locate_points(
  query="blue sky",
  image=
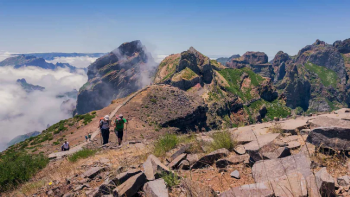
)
(212, 27)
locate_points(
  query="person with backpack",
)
(119, 128)
(65, 146)
(104, 127)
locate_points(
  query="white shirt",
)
(66, 145)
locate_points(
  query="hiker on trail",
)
(104, 126)
(89, 136)
(119, 128)
(65, 146)
(86, 137)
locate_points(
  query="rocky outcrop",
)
(342, 46)
(279, 65)
(336, 138)
(115, 75)
(256, 61)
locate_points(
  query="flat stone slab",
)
(92, 172)
(156, 188)
(131, 186)
(265, 170)
(336, 138)
(239, 149)
(153, 166)
(290, 185)
(324, 121)
(257, 189)
(278, 153)
(293, 145)
(177, 160)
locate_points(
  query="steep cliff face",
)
(227, 92)
(115, 75)
(256, 61)
(315, 79)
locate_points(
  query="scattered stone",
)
(177, 160)
(232, 160)
(325, 182)
(276, 119)
(131, 186)
(336, 138)
(278, 153)
(235, 174)
(256, 189)
(239, 149)
(156, 188)
(152, 167)
(209, 159)
(293, 145)
(253, 148)
(344, 180)
(92, 172)
(192, 158)
(108, 186)
(184, 165)
(182, 150)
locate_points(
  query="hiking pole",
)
(101, 136)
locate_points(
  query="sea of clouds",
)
(22, 112)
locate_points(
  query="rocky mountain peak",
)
(319, 42)
(342, 46)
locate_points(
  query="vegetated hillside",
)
(29, 60)
(234, 96)
(21, 138)
(115, 75)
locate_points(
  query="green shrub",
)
(222, 139)
(164, 144)
(171, 179)
(16, 168)
(85, 153)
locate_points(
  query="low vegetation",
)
(85, 153)
(170, 179)
(164, 144)
(327, 76)
(222, 139)
(18, 167)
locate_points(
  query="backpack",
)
(101, 123)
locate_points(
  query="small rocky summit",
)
(115, 75)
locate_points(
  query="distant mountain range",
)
(224, 60)
(21, 138)
(29, 87)
(52, 56)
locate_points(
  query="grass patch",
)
(233, 77)
(328, 77)
(87, 118)
(275, 108)
(222, 139)
(85, 153)
(17, 168)
(276, 128)
(164, 144)
(170, 179)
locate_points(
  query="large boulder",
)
(336, 138)
(110, 184)
(325, 183)
(131, 186)
(290, 185)
(156, 188)
(153, 167)
(342, 46)
(210, 159)
(92, 172)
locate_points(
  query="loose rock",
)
(325, 182)
(156, 188)
(235, 174)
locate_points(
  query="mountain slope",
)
(21, 138)
(115, 75)
(227, 92)
(29, 87)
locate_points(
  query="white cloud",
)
(79, 61)
(4, 55)
(20, 112)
